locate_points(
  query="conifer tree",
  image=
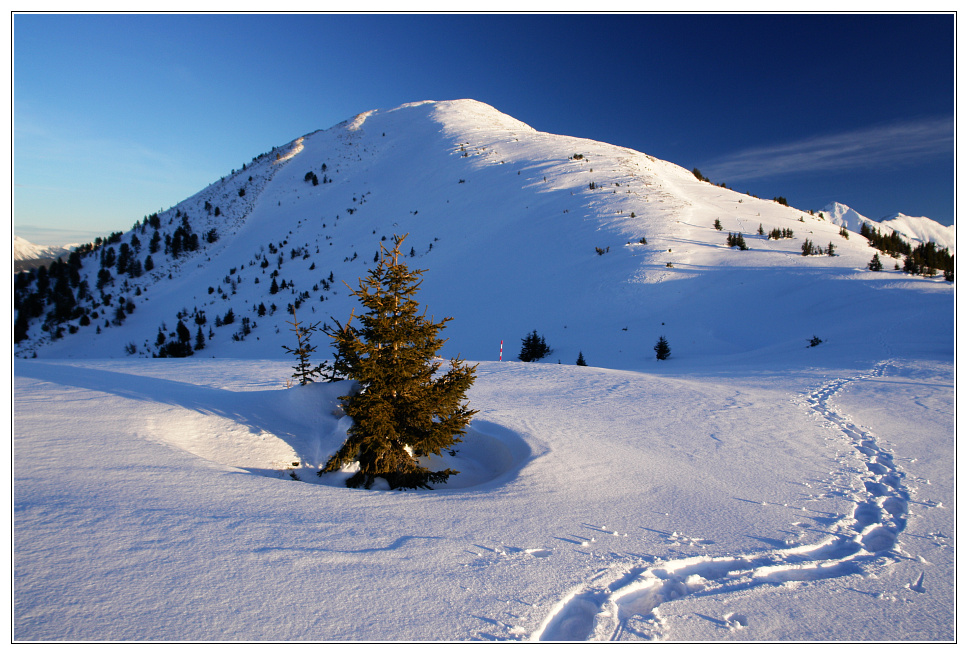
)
(180, 348)
(875, 263)
(304, 371)
(737, 241)
(184, 336)
(533, 348)
(21, 326)
(404, 409)
(661, 348)
(581, 360)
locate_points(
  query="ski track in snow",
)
(621, 602)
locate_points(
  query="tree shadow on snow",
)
(302, 417)
(262, 412)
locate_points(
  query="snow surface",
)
(749, 488)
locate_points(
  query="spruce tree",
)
(404, 409)
(533, 348)
(661, 348)
(21, 326)
(304, 370)
(581, 360)
(875, 263)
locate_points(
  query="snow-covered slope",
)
(599, 248)
(920, 229)
(840, 214)
(748, 488)
(915, 229)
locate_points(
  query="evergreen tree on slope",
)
(875, 263)
(533, 348)
(404, 409)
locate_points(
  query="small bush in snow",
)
(304, 371)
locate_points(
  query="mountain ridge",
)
(915, 229)
(592, 243)
(24, 249)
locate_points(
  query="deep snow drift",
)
(748, 488)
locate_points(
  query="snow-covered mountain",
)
(597, 247)
(25, 250)
(751, 487)
(915, 229)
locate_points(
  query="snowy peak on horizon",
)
(916, 229)
(598, 247)
(24, 250)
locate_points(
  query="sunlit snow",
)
(748, 488)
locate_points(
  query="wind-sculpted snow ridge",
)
(623, 602)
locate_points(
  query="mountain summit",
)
(597, 247)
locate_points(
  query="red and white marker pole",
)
(500, 357)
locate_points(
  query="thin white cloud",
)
(874, 148)
(55, 236)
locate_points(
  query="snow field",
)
(610, 608)
(647, 492)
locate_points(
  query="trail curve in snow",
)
(621, 603)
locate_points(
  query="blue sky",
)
(117, 116)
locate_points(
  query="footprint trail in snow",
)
(621, 603)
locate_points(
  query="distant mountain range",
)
(27, 254)
(915, 229)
